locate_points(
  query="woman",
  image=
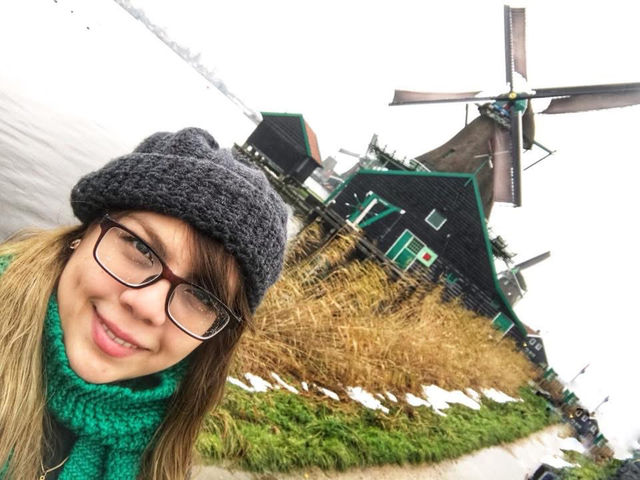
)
(116, 335)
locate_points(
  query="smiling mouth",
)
(117, 339)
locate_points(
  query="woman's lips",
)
(110, 340)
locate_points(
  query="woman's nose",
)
(148, 303)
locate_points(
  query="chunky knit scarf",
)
(113, 423)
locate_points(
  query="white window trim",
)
(426, 219)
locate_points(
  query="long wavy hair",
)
(37, 260)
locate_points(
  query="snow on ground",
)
(416, 401)
(239, 383)
(457, 396)
(473, 394)
(259, 384)
(283, 384)
(420, 402)
(440, 398)
(329, 393)
(365, 398)
(498, 396)
(391, 397)
(434, 397)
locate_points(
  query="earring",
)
(73, 245)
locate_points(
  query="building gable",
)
(441, 211)
(288, 143)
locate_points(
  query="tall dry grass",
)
(341, 323)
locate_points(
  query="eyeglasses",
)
(129, 260)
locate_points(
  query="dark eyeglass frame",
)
(106, 224)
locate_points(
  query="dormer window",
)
(435, 219)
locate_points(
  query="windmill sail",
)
(502, 147)
(402, 97)
(515, 46)
(600, 101)
(511, 135)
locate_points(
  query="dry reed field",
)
(345, 323)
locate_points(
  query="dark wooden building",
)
(288, 143)
(433, 223)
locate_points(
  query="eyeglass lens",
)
(133, 263)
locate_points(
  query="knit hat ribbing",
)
(187, 176)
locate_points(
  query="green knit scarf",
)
(113, 423)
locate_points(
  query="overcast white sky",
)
(337, 63)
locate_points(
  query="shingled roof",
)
(295, 130)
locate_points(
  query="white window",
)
(435, 219)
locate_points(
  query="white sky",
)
(337, 63)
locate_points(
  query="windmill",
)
(513, 111)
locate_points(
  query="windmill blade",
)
(408, 97)
(528, 127)
(582, 90)
(349, 152)
(514, 43)
(596, 101)
(506, 147)
(502, 166)
(516, 153)
(532, 261)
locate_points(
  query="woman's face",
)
(113, 332)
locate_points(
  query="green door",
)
(399, 244)
(404, 259)
(405, 250)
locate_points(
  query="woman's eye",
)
(201, 298)
(140, 247)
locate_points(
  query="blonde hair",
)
(37, 260)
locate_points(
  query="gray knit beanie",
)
(187, 176)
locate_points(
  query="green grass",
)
(588, 469)
(279, 432)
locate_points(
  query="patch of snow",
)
(380, 396)
(391, 397)
(498, 396)
(457, 396)
(239, 383)
(259, 384)
(416, 401)
(436, 396)
(365, 398)
(473, 394)
(556, 461)
(572, 443)
(329, 393)
(305, 386)
(421, 402)
(283, 384)
(440, 398)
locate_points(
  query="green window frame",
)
(407, 249)
(399, 244)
